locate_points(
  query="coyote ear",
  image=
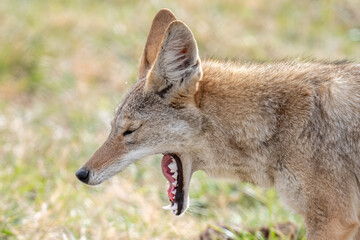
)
(159, 25)
(177, 68)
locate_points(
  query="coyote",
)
(294, 126)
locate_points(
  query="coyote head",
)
(160, 115)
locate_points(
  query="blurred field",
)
(64, 67)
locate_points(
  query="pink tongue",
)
(167, 159)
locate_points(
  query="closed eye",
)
(127, 132)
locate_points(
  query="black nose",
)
(83, 175)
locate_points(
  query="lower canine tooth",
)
(174, 207)
(174, 192)
(174, 183)
(169, 207)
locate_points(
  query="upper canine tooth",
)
(172, 167)
(174, 183)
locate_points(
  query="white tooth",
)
(175, 175)
(173, 160)
(174, 183)
(174, 192)
(173, 167)
(169, 207)
(174, 207)
(174, 211)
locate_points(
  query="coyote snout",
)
(292, 126)
(108, 160)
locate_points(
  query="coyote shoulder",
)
(294, 126)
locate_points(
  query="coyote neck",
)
(244, 107)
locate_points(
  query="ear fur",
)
(177, 68)
(159, 25)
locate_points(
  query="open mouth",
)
(173, 171)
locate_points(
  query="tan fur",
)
(289, 125)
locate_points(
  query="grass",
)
(64, 67)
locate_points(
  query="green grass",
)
(64, 67)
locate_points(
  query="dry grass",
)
(65, 65)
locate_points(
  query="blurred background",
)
(65, 66)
